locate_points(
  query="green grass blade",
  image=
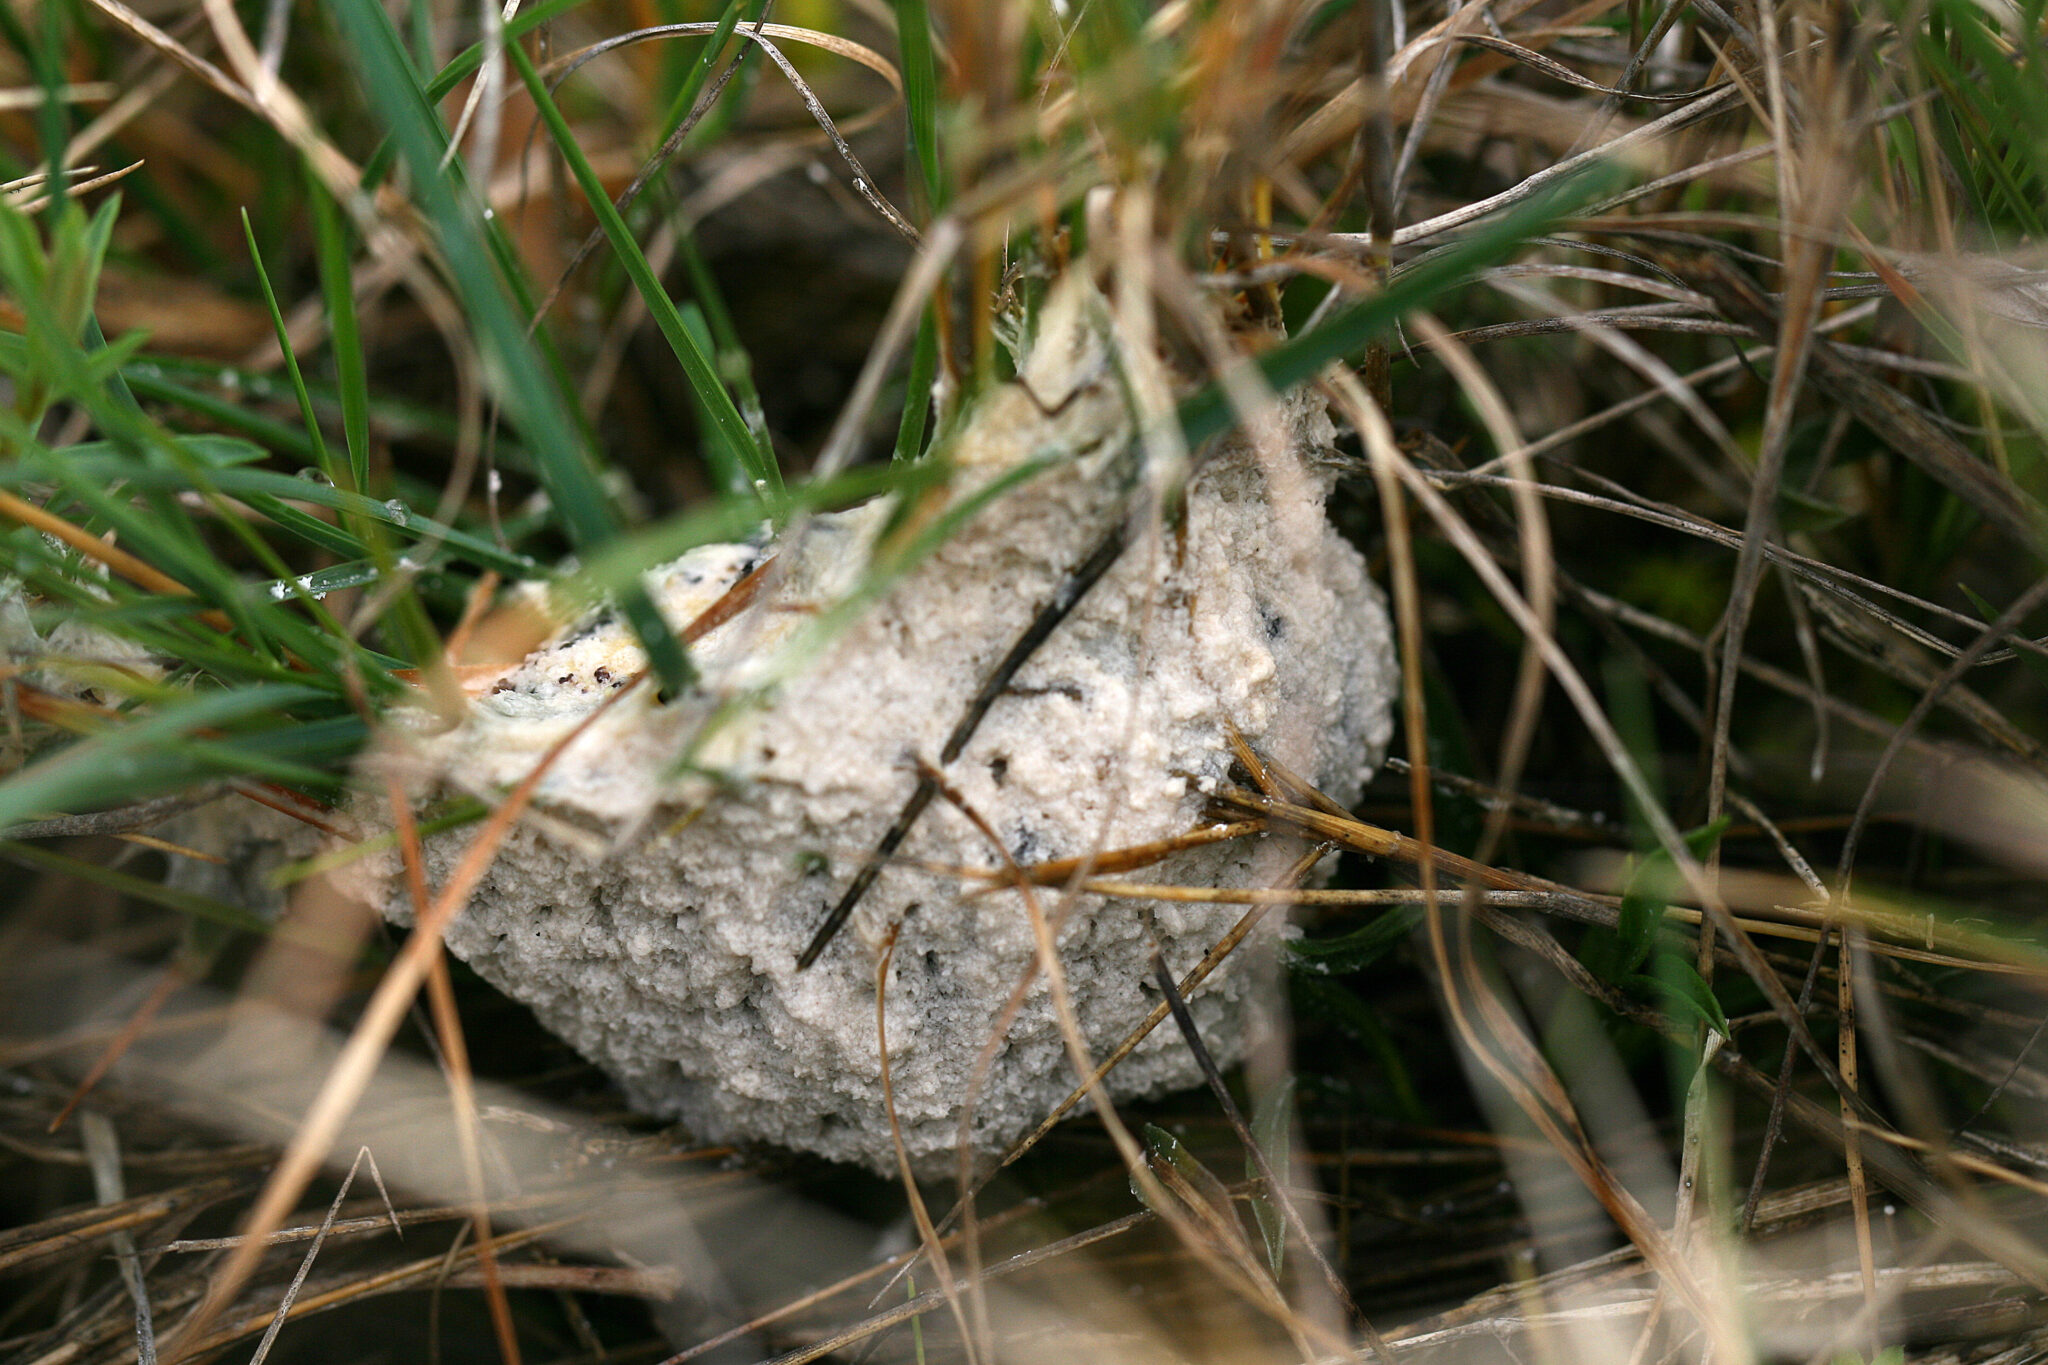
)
(254, 485)
(700, 70)
(291, 359)
(116, 381)
(921, 101)
(148, 891)
(44, 58)
(1299, 359)
(459, 69)
(344, 334)
(728, 466)
(624, 559)
(537, 406)
(709, 392)
(147, 757)
(151, 379)
(470, 60)
(917, 389)
(158, 528)
(735, 366)
(408, 616)
(181, 382)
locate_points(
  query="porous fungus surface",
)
(653, 918)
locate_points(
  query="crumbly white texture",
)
(75, 660)
(670, 960)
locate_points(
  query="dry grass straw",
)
(1907, 1006)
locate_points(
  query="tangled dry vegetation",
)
(1677, 991)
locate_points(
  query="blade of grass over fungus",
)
(706, 388)
(538, 407)
(881, 574)
(625, 558)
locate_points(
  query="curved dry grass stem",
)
(1525, 1076)
(1244, 1280)
(357, 1062)
(2011, 1249)
(177, 52)
(1814, 575)
(559, 70)
(21, 202)
(291, 1293)
(1200, 972)
(1636, 357)
(172, 979)
(942, 242)
(1999, 630)
(1630, 142)
(455, 1054)
(1536, 556)
(1846, 1057)
(1275, 1187)
(417, 1274)
(1534, 545)
(1811, 191)
(758, 34)
(965, 1212)
(486, 96)
(928, 1236)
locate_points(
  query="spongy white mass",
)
(682, 854)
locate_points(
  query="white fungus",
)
(681, 855)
